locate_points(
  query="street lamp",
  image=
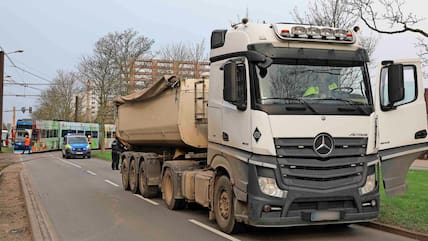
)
(16, 51)
(2, 54)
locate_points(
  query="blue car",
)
(76, 146)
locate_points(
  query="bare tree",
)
(393, 16)
(98, 69)
(334, 13)
(185, 56)
(174, 51)
(124, 47)
(57, 102)
(184, 52)
(108, 69)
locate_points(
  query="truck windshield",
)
(319, 87)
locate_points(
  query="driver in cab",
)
(321, 89)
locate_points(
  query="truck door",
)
(236, 107)
(401, 121)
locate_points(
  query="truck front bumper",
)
(301, 208)
(317, 203)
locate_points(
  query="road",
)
(85, 201)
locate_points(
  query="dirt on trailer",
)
(14, 222)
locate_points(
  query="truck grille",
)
(303, 147)
(300, 166)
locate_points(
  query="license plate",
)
(325, 216)
(79, 153)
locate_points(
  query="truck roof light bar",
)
(313, 33)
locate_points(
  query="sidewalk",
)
(14, 222)
(420, 164)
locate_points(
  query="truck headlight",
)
(370, 184)
(268, 186)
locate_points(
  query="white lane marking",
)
(213, 230)
(147, 200)
(91, 172)
(110, 182)
(70, 163)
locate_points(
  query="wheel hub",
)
(224, 205)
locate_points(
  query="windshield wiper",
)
(305, 103)
(356, 105)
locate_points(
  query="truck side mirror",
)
(395, 83)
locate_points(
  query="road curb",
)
(396, 230)
(41, 227)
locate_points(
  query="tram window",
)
(34, 135)
(94, 134)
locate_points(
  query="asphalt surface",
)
(85, 201)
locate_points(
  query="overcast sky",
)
(55, 34)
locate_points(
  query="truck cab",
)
(76, 145)
(296, 128)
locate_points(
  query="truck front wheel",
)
(125, 174)
(168, 191)
(223, 206)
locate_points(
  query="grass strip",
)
(105, 155)
(408, 211)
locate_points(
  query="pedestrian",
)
(27, 143)
(115, 153)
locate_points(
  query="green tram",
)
(47, 135)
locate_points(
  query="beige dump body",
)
(164, 114)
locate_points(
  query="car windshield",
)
(77, 140)
(321, 82)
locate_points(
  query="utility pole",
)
(1, 88)
(13, 118)
(76, 108)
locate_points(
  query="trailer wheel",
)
(146, 190)
(125, 173)
(168, 192)
(133, 176)
(223, 206)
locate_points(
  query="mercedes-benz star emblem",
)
(323, 144)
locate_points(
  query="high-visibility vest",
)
(314, 90)
(27, 141)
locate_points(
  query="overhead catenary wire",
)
(24, 70)
(25, 85)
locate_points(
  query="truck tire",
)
(125, 173)
(168, 190)
(146, 190)
(133, 176)
(223, 206)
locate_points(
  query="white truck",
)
(288, 133)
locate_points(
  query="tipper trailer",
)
(289, 132)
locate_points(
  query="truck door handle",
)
(421, 134)
(225, 136)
